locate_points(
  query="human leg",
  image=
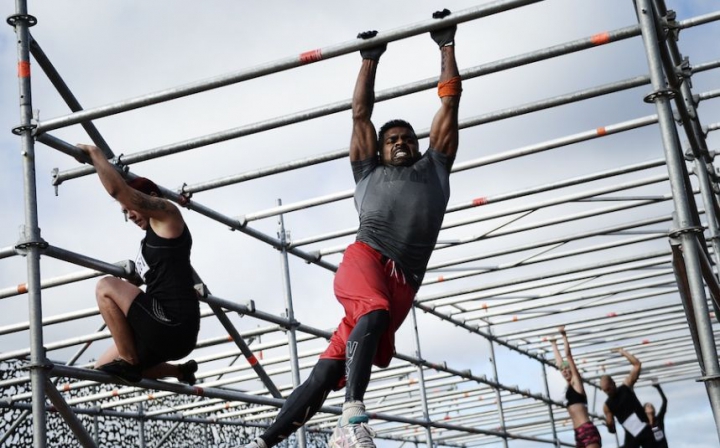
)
(114, 297)
(184, 372)
(304, 402)
(587, 436)
(361, 349)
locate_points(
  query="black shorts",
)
(158, 338)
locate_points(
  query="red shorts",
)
(366, 281)
(587, 434)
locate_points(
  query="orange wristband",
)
(451, 87)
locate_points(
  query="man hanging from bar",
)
(401, 197)
(161, 324)
(623, 404)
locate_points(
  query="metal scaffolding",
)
(622, 256)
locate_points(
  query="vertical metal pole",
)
(501, 413)
(690, 245)
(550, 406)
(292, 339)
(141, 422)
(421, 375)
(32, 243)
(708, 199)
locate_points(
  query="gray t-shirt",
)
(402, 208)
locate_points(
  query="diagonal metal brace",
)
(239, 341)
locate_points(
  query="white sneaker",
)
(258, 443)
(356, 434)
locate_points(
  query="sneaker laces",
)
(364, 435)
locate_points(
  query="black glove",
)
(444, 36)
(375, 52)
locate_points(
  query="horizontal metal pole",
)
(6, 252)
(550, 330)
(553, 241)
(124, 269)
(285, 64)
(233, 223)
(59, 318)
(618, 334)
(228, 394)
(487, 118)
(55, 281)
(644, 258)
(504, 64)
(601, 299)
(527, 209)
(452, 208)
(633, 346)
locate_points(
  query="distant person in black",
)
(657, 421)
(161, 324)
(623, 404)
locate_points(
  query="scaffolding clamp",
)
(24, 244)
(660, 93)
(201, 290)
(185, 196)
(708, 378)
(671, 26)
(674, 233)
(118, 163)
(683, 72)
(27, 18)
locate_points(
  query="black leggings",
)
(305, 401)
(360, 352)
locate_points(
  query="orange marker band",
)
(479, 201)
(600, 38)
(22, 288)
(23, 69)
(601, 131)
(311, 56)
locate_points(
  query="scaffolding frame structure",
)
(671, 295)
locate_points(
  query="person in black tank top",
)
(623, 404)
(657, 421)
(160, 324)
(401, 197)
(586, 433)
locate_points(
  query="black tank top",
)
(574, 397)
(625, 403)
(164, 265)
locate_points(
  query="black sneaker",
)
(123, 370)
(187, 372)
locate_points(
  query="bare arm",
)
(444, 129)
(556, 351)
(164, 217)
(663, 407)
(609, 419)
(576, 378)
(634, 374)
(363, 143)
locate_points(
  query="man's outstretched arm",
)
(363, 143)
(444, 129)
(609, 419)
(634, 374)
